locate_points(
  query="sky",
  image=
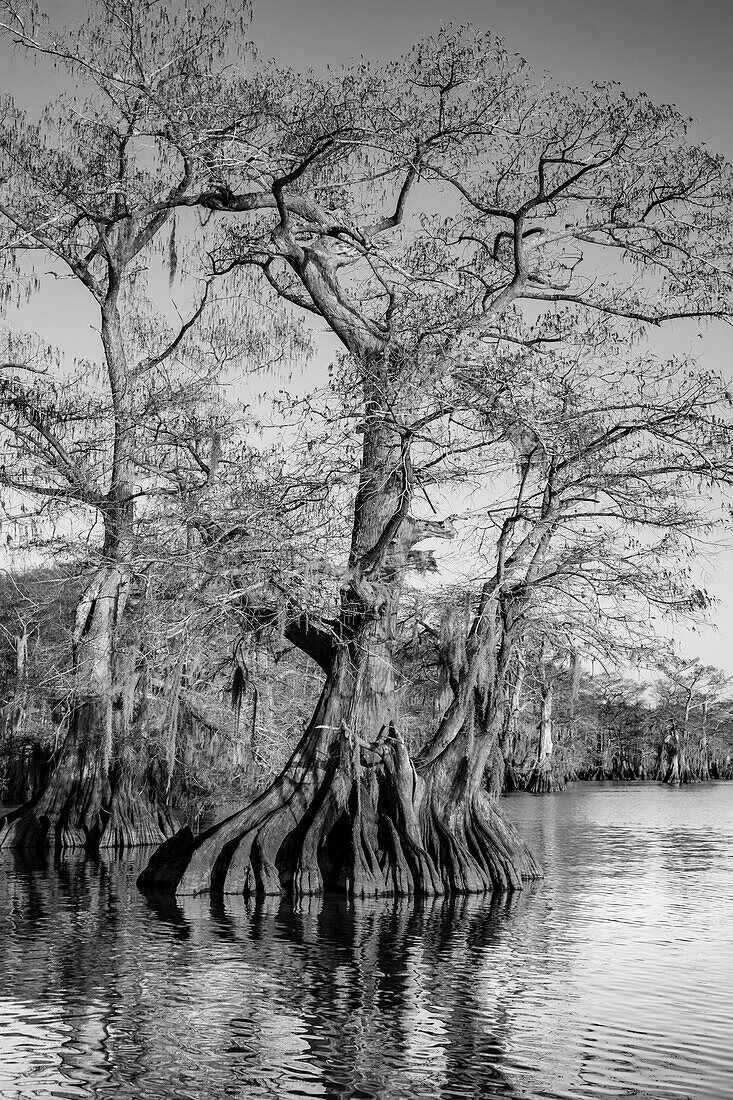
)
(677, 51)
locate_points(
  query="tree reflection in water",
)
(567, 991)
(366, 999)
(101, 990)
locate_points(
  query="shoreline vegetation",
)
(678, 729)
(360, 457)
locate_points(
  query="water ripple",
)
(610, 978)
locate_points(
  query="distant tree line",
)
(220, 722)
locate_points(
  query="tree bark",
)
(672, 764)
(351, 811)
(355, 815)
(703, 768)
(512, 779)
(92, 798)
(543, 778)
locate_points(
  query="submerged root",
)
(79, 814)
(374, 833)
(544, 779)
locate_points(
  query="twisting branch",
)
(155, 360)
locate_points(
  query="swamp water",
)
(611, 978)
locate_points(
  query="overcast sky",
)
(678, 51)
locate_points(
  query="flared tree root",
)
(366, 831)
(544, 778)
(84, 813)
(672, 765)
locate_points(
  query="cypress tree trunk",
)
(703, 769)
(543, 777)
(18, 715)
(92, 798)
(510, 728)
(351, 811)
(673, 765)
(668, 763)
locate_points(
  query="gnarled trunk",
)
(703, 762)
(92, 799)
(512, 779)
(351, 811)
(80, 807)
(543, 778)
(672, 764)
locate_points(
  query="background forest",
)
(225, 726)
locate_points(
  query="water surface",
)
(611, 978)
